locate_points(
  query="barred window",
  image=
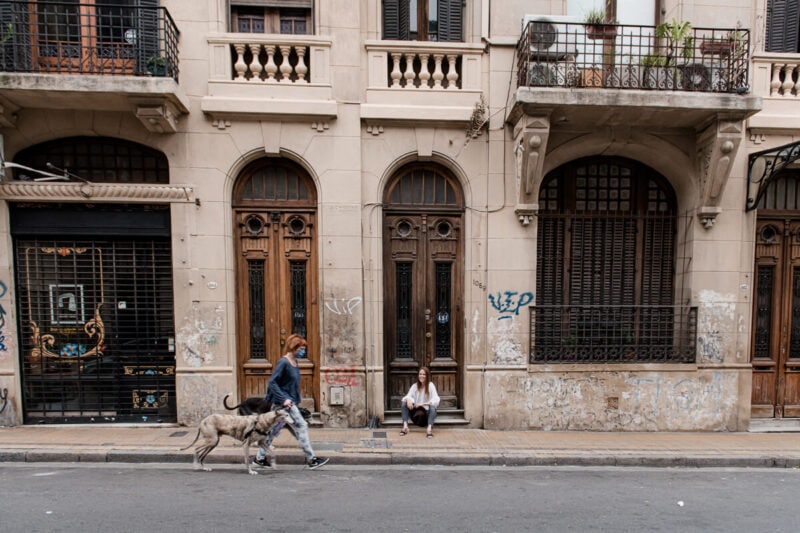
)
(605, 267)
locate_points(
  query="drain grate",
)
(378, 434)
(179, 434)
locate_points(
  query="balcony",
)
(90, 56)
(613, 334)
(255, 76)
(775, 80)
(422, 82)
(629, 75)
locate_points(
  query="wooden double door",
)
(776, 319)
(274, 204)
(423, 317)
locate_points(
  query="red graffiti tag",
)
(343, 375)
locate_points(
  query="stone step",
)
(446, 417)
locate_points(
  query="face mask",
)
(301, 352)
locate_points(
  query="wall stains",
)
(717, 315)
(198, 396)
(342, 327)
(505, 349)
(627, 401)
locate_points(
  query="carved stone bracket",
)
(158, 117)
(717, 146)
(530, 145)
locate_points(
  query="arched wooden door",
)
(274, 203)
(423, 282)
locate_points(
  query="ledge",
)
(133, 193)
(227, 108)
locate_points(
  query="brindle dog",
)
(252, 429)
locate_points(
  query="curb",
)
(411, 459)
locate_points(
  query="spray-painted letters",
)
(509, 302)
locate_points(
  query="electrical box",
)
(336, 396)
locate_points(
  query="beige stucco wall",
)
(351, 160)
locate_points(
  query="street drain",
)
(179, 434)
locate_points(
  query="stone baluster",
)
(775, 82)
(270, 67)
(788, 82)
(795, 85)
(240, 66)
(424, 73)
(438, 75)
(410, 74)
(255, 66)
(396, 74)
(452, 74)
(301, 67)
(286, 67)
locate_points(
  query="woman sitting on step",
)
(420, 403)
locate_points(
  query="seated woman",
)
(421, 396)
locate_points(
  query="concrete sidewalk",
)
(385, 446)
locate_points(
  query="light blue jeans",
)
(299, 430)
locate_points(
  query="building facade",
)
(576, 223)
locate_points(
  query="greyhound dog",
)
(252, 429)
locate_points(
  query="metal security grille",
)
(96, 329)
(258, 344)
(443, 289)
(298, 289)
(403, 302)
(606, 253)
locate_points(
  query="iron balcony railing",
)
(87, 38)
(613, 334)
(669, 57)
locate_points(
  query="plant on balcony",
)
(157, 65)
(678, 39)
(732, 44)
(597, 27)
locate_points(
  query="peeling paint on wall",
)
(505, 350)
(198, 396)
(717, 315)
(628, 401)
(198, 336)
(342, 317)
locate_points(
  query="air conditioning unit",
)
(553, 37)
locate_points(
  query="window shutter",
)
(782, 26)
(395, 19)
(450, 18)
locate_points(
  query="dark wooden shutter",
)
(450, 18)
(395, 19)
(783, 18)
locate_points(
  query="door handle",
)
(428, 335)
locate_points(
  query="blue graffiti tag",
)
(510, 302)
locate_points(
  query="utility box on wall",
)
(336, 396)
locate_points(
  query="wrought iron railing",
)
(71, 38)
(622, 56)
(613, 334)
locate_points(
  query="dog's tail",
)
(225, 403)
(195, 440)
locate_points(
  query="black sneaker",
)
(266, 462)
(317, 462)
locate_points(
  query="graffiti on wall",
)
(341, 375)
(3, 290)
(508, 303)
(341, 328)
(199, 334)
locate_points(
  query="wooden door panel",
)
(276, 296)
(422, 262)
(776, 320)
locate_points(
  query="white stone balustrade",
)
(419, 66)
(776, 75)
(281, 59)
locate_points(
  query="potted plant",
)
(157, 65)
(597, 27)
(732, 44)
(679, 40)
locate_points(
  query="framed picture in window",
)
(66, 304)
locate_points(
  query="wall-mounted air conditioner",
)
(554, 37)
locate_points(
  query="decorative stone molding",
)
(320, 126)
(110, 192)
(8, 114)
(374, 129)
(221, 124)
(530, 145)
(717, 146)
